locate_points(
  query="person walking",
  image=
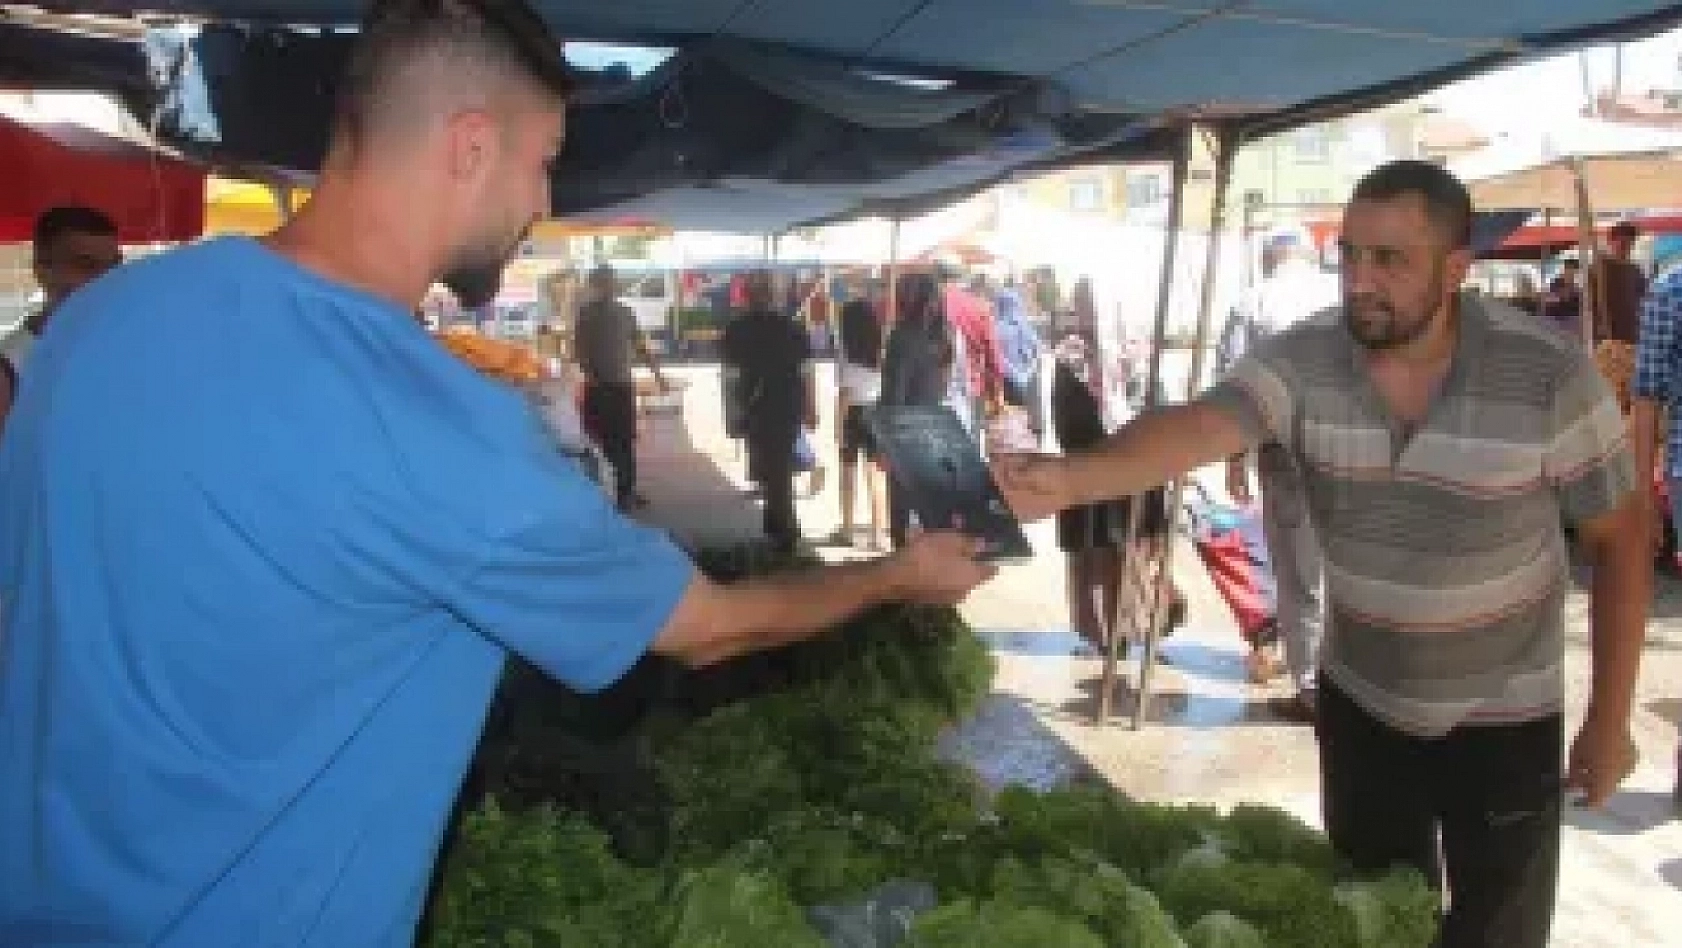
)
(858, 386)
(603, 340)
(1292, 290)
(1655, 416)
(922, 365)
(768, 364)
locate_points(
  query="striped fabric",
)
(1445, 561)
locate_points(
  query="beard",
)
(476, 275)
(1379, 324)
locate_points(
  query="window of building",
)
(1144, 190)
(1086, 194)
(1312, 144)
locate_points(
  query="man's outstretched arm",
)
(1152, 450)
(713, 622)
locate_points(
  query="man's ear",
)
(472, 137)
(1459, 264)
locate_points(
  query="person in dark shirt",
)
(73, 246)
(1562, 306)
(603, 340)
(1618, 286)
(767, 363)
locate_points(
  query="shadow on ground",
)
(1625, 813)
(690, 496)
(1196, 685)
(1006, 744)
(1671, 872)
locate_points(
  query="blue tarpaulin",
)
(782, 104)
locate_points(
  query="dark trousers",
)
(1490, 793)
(771, 465)
(610, 412)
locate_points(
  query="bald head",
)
(417, 62)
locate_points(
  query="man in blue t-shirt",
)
(264, 543)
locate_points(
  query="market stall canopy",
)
(1536, 241)
(806, 99)
(245, 207)
(1116, 55)
(152, 197)
(1627, 169)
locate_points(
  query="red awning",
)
(152, 197)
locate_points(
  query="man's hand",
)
(1035, 485)
(1619, 594)
(939, 568)
(1238, 481)
(1602, 757)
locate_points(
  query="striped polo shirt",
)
(1445, 559)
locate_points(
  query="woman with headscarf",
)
(1094, 538)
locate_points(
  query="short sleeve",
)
(561, 578)
(1588, 460)
(1257, 392)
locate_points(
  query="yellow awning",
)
(244, 207)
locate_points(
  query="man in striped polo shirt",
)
(1442, 440)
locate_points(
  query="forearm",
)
(1644, 423)
(1154, 449)
(779, 610)
(1620, 592)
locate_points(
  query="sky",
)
(1553, 87)
(599, 56)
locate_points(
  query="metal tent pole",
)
(281, 192)
(1176, 214)
(1593, 306)
(1223, 154)
(893, 273)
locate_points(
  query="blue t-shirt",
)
(263, 544)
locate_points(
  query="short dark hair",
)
(56, 222)
(861, 334)
(506, 34)
(1447, 202)
(1624, 229)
